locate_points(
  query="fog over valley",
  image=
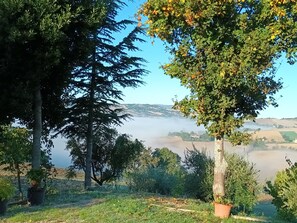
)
(152, 124)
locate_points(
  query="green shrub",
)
(6, 189)
(141, 181)
(241, 184)
(199, 180)
(163, 182)
(37, 176)
(157, 171)
(154, 180)
(284, 193)
(241, 180)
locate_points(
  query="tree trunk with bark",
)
(88, 179)
(37, 128)
(219, 169)
(88, 176)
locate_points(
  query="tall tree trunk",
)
(219, 169)
(17, 167)
(88, 179)
(37, 128)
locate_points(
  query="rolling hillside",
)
(166, 111)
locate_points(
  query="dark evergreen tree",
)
(96, 83)
(40, 43)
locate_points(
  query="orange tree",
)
(224, 51)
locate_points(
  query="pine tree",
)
(94, 105)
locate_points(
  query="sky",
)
(161, 89)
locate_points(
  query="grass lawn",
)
(67, 201)
(73, 204)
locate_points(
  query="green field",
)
(289, 136)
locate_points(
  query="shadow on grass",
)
(62, 194)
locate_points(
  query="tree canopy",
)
(40, 43)
(37, 48)
(225, 52)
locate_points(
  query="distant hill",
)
(166, 111)
(148, 110)
(278, 123)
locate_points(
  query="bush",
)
(140, 181)
(241, 184)
(37, 176)
(157, 172)
(199, 180)
(241, 180)
(284, 193)
(154, 180)
(6, 189)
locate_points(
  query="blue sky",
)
(161, 89)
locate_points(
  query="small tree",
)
(15, 150)
(112, 154)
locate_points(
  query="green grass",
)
(109, 205)
(68, 202)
